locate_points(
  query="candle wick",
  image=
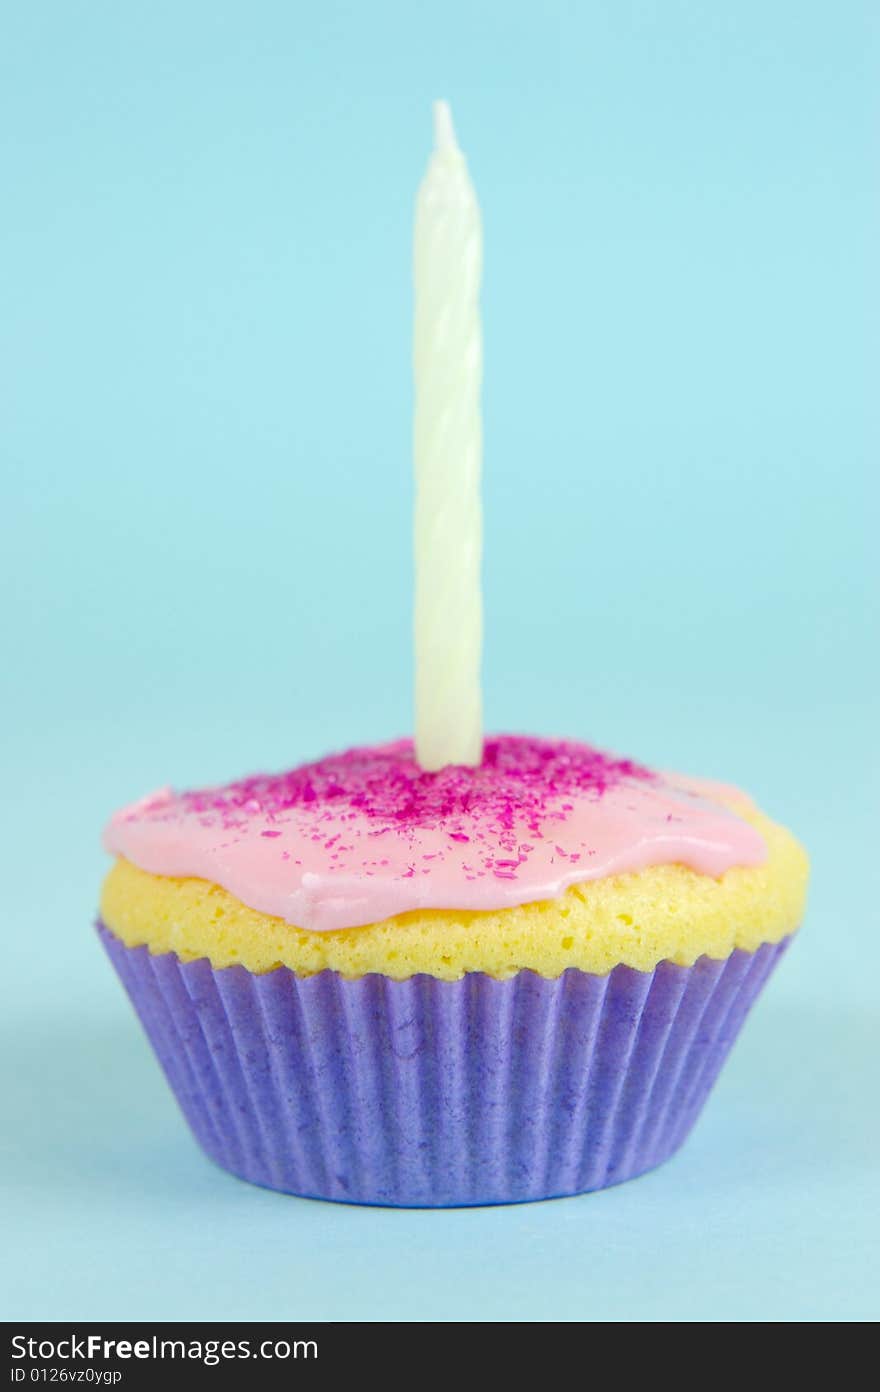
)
(444, 130)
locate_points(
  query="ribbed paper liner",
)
(440, 1093)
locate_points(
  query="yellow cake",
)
(665, 912)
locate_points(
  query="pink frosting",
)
(364, 835)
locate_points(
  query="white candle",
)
(448, 444)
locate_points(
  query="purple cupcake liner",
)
(428, 1093)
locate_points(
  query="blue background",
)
(204, 350)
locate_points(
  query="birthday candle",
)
(448, 447)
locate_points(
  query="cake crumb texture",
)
(665, 912)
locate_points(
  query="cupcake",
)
(375, 984)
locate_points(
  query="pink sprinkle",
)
(520, 778)
(502, 809)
